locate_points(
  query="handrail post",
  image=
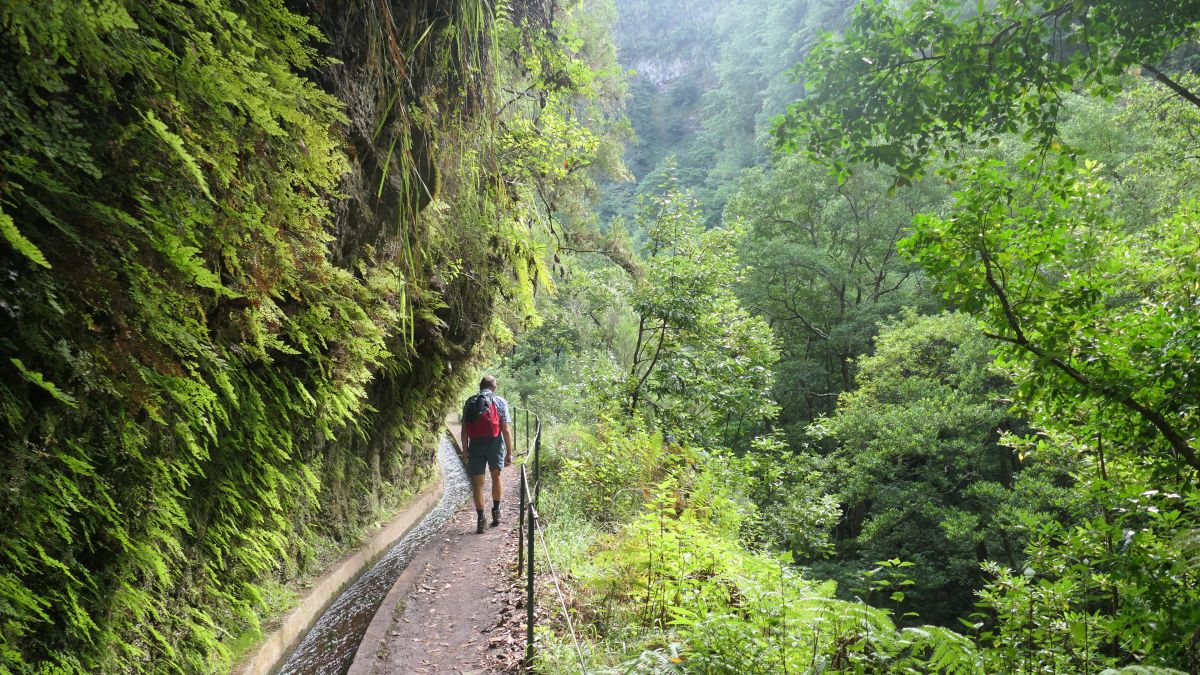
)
(537, 462)
(529, 600)
(527, 431)
(521, 529)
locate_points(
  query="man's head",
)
(488, 382)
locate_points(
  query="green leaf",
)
(176, 144)
(37, 379)
(18, 241)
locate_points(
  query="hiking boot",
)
(480, 524)
(495, 516)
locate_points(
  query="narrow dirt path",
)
(457, 608)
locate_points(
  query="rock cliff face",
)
(668, 39)
(711, 77)
(240, 282)
(673, 48)
(398, 71)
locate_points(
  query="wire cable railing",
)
(529, 529)
(562, 599)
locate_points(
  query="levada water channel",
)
(329, 647)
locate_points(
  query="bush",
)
(669, 585)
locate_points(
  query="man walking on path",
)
(484, 440)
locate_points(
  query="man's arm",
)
(508, 443)
(463, 444)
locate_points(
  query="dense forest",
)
(866, 335)
(885, 357)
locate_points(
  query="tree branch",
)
(1174, 86)
(637, 390)
(1178, 443)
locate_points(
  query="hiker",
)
(485, 438)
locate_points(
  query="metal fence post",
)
(521, 529)
(529, 614)
(537, 462)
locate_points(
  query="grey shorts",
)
(485, 453)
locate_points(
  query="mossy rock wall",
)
(240, 284)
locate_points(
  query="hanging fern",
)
(224, 354)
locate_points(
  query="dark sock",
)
(495, 505)
(479, 512)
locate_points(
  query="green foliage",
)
(1062, 284)
(672, 589)
(152, 318)
(923, 468)
(903, 82)
(18, 241)
(823, 272)
(700, 359)
(564, 126)
(610, 473)
(243, 284)
(796, 507)
(708, 78)
(1096, 591)
(660, 334)
(1082, 273)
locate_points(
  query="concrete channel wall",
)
(274, 649)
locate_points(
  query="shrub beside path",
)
(458, 608)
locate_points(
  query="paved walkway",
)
(458, 607)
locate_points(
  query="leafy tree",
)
(567, 368)
(904, 82)
(796, 505)
(1108, 587)
(699, 358)
(1092, 312)
(562, 123)
(921, 467)
(1092, 316)
(1092, 322)
(693, 359)
(823, 271)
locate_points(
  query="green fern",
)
(13, 236)
(194, 389)
(941, 650)
(175, 143)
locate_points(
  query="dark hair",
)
(488, 382)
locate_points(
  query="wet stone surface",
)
(329, 647)
(464, 613)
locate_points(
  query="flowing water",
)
(329, 647)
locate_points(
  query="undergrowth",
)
(667, 579)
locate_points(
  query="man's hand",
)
(509, 446)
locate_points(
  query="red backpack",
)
(481, 416)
